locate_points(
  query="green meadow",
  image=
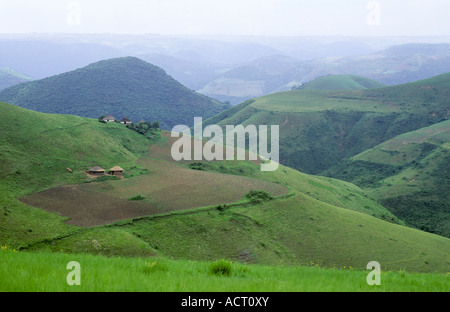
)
(48, 272)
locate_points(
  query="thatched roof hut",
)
(116, 170)
(109, 118)
(97, 170)
(126, 121)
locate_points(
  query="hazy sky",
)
(234, 17)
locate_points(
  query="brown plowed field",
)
(168, 187)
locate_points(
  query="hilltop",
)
(120, 87)
(341, 82)
(186, 212)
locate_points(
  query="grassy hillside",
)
(120, 87)
(342, 82)
(326, 222)
(202, 214)
(9, 77)
(409, 175)
(36, 149)
(321, 128)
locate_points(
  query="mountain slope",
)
(120, 87)
(321, 221)
(341, 82)
(9, 77)
(409, 174)
(319, 129)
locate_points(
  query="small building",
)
(125, 121)
(97, 171)
(109, 118)
(116, 171)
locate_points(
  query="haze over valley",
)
(351, 100)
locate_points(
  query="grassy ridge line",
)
(342, 82)
(327, 190)
(224, 207)
(100, 274)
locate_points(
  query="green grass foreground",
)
(47, 272)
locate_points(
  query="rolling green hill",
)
(320, 128)
(342, 82)
(9, 77)
(409, 174)
(311, 221)
(119, 87)
(35, 151)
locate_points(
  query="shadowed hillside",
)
(123, 87)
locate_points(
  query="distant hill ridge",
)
(342, 82)
(119, 87)
(10, 77)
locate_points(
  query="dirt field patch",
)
(168, 187)
(87, 208)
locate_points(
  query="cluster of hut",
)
(115, 171)
(124, 120)
(98, 171)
